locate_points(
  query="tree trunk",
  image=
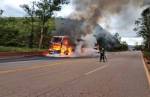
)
(31, 40)
(148, 45)
(31, 34)
(41, 38)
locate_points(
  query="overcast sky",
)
(117, 23)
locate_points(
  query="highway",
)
(123, 75)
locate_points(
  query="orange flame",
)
(64, 47)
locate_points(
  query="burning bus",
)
(71, 37)
(61, 45)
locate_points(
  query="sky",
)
(117, 23)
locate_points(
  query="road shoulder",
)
(146, 68)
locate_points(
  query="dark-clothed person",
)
(102, 55)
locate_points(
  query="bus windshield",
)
(56, 39)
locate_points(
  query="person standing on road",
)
(102, 55)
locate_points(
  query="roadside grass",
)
(147, 59)
(19, 49)
(147, 54)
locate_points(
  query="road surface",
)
(122, 76)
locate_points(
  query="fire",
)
(61, 45)
(65, 50)
(56, 46)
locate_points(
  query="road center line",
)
(34, 67)
(25, 69)
(97, 69)
(29, 68)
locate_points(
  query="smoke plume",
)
(146, 2)
(93, 10)
(90, 13)
(116, 15)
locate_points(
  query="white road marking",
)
(97, 69)
(146, 70)
(31, 68)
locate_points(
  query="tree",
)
(124, 45)
(137, 46)
(45, 10)
(117, 37)
(120, 45)
(143, 26)
(30, 10)
(1, 12)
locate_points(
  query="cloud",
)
(66, 11)
(133, 40)
(123, 22)
(12, 7)
(13, 12)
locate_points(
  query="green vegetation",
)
(1, 12)
(121, 45)
(113, 44)
(31, 13)
(19, 49)
(32, 31)
(15, 31)
(138, 47)
(44, 13)
(143, 27)
(146, 53)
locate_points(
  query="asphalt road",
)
(122, 76)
